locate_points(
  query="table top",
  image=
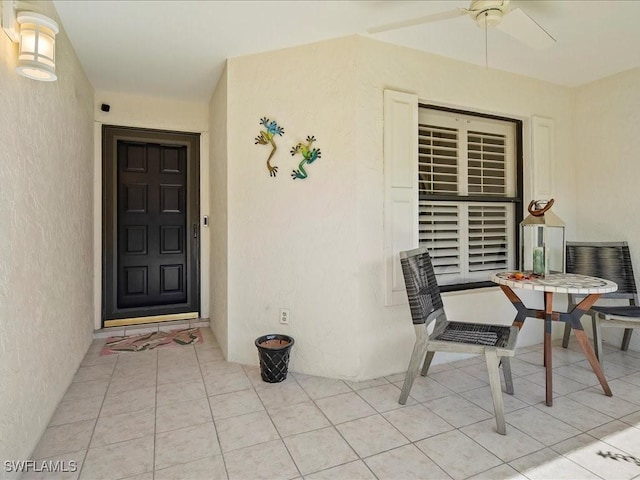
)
(557, 283)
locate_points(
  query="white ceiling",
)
(177, 49)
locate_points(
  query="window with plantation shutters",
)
(468, 184)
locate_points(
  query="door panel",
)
(151, 223)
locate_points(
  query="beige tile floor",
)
(185, 413)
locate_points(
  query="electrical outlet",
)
(285, 316)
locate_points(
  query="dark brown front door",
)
(151, 223)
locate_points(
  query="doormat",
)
(149, 341)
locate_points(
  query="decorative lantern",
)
(542, 240)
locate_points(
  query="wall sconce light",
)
(37, 37)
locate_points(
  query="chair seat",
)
(631, 311)
(475, 334)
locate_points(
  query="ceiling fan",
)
(488, 14)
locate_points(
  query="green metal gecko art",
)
(271, 129)
(309, 155)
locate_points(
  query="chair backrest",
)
(422, 287)
(608, 260)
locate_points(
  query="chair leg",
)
(597, 340)
(427, 364)
(419, 350)
(567, 334)
(626, 338)
(506, 372)
(496, 389)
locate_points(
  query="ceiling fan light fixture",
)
(487, 14)
(489, 18)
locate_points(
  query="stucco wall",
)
(46, 269)
(386, 333)
(293, 243)
(219, 212)
(607, 142)
(316, 245)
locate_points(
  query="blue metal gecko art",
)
(309, 155)
(271, 129)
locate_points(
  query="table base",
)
(573, 318)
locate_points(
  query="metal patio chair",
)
(496, 342)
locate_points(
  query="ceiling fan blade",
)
(435, 17)
(525, 29)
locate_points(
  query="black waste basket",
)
(273, 351)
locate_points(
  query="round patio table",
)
(591, 287)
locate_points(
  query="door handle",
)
(195, 230)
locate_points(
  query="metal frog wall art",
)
(271, 129)
(309, 155)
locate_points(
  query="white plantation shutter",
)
(462, 156)
(490, 229)
(487, 163)
(437, 159)
(467, 241)
(439, 229)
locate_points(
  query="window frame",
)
(516, 200)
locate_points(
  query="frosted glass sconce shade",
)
(37, 54)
